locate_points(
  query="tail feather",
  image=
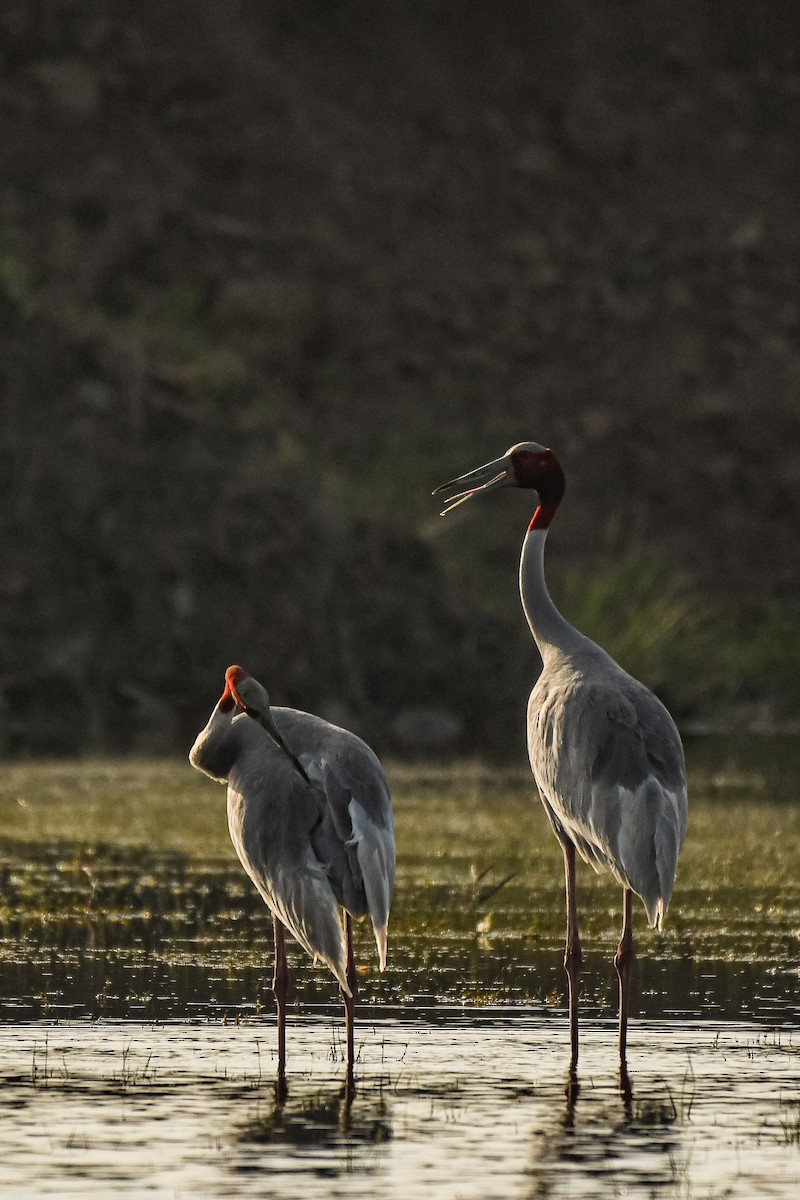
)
(656, 912)
(375, 849)
(381, 940)
(305, 904)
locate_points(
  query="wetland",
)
(137, 1038)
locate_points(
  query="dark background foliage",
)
(271, 271)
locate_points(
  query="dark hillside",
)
(270, 271)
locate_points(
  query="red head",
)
(230, 697)
(242, 690)
(526, 465)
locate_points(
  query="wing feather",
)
(608, 763)
(376, 856)
(305, 903)
(361, 819)
(273, 846)
(315, 848)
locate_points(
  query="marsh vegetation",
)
(121, 897)
(135, 968)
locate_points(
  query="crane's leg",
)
(573, 956)
(623, 961)
(350, 1001)
(280, 986)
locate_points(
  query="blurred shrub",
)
(657, 626)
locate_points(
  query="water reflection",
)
(461, 1083)
(621, 1142)
(457, 1108)
(323, 1117)
(323, 1132)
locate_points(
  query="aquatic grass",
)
(121, 895)
(131, 1073)
(40, 1075)
(683, 1101)
(790, 1123)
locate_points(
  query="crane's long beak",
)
(494, 475)
(266, 720)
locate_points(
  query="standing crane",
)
(310, 818)
(605, 753)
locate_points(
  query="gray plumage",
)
(608, 764)
(314, 846)
(605, 753)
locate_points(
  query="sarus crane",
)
(310, 817)
(605, 753)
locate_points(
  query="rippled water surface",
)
(458, 1109)
(136, 1050)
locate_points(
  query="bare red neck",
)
(541, 471)
(543, 516)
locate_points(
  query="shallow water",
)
(458, 1109)
(136, 1051)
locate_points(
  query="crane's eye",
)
(528, 466)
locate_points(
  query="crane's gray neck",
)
(213, 752)
(551, 632)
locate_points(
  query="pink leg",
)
(623, 961)
(573, 956)
(350, 1001)
(280, 986)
